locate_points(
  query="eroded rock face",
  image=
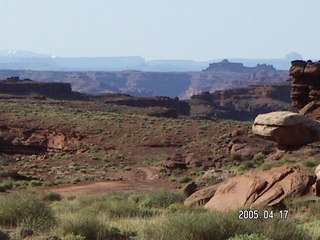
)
(286, 128)
(306, 82)
(267, 188)
(34, 141)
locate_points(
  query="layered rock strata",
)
(305, 83)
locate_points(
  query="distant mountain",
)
(24, 60)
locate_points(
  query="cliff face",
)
(242, 103)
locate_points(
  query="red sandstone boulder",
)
(267, 188)
(286, 128)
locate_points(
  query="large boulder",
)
(286, 128)
(267, 188)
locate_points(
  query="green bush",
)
(4, 235)
(184, 179)
(26, 210)
(50, 196)
(92, 229)
(6, 185)
(218, 226)
(253, 236)
(258, 157)
(161, 198)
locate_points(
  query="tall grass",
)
(27, 210)
(217, 226)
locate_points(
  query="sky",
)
(162, 29)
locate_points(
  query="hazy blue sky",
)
(162, 29)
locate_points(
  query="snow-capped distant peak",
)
(21, 54)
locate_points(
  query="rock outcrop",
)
(24, 140)
(305, 83)
(286, 128)
(267, 188)
(14, 85)
(242, 103)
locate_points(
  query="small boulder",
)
(286, 128)
(189, 188)
(268, 188)
(201, 196)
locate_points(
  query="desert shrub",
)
(33, 183)
(27, 210)
(71, 236)
(122, 209)
(5, 185)
(20, 184)
(50, 196)
(4, 235)
(92, 229)
(161, 198)
(218, 226)
(184, 179)
(258, 157)
(71, 197)
(245, 166)
(253, 236)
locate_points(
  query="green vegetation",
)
(26, 210)
(154, 215)
(218, 226)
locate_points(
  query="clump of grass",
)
(91, 228)
(26, 210)
(161, 198)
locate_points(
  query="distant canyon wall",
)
(217, 76)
